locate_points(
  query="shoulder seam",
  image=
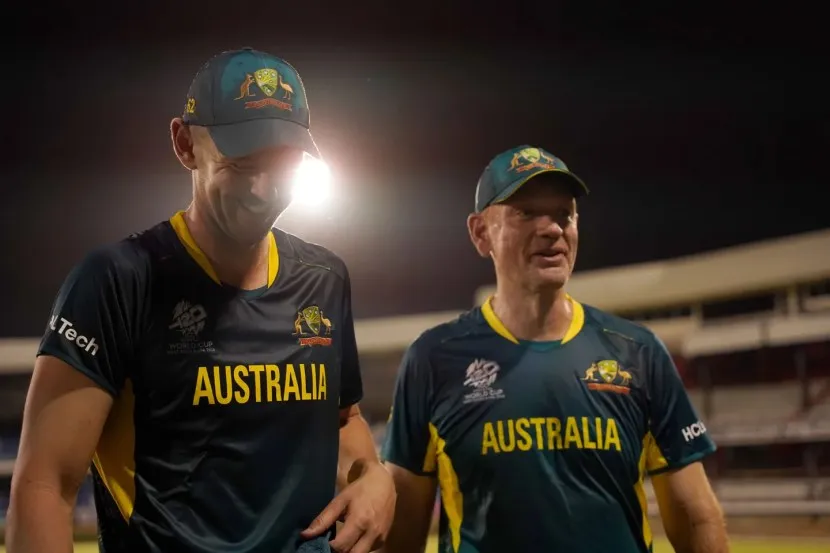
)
(293, 255)
(318, 266)
(624, 336)
(430, 343)
(627, 329)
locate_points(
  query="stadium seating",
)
(753, 405)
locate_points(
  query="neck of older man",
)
(539, 315)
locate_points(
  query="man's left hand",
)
(366, 506)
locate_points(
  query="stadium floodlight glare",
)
(312, 182)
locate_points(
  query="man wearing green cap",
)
(537, 416)
(207, 367)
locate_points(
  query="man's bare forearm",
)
(707, 536)
(710, 537)
(39, 520)
(357, 450)
(413, 511)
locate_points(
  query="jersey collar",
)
(577, 322)
(183, 233)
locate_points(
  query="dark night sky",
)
(696, 127)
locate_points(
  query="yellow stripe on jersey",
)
(577, 321)
(451, 497)
(639, 486)
(180, 226)
(273, 259)
(115, 454)
(655, 459)
(494, 322)
(431, 455)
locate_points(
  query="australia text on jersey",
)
(260, 384)
(550, 433)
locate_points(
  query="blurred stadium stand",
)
(749, 328)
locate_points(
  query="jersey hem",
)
(686, 461)
(92, 375)
(343, 403)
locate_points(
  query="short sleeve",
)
(351, 385)
(408, 442)
(91, 326)
(678, 436)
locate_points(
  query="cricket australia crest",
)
(608, 376)
(313, 320)
(268, 80)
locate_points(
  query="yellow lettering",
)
(586, 435)
(526, 434)
(488, 441)
(321, 394)
(203, 387)
(272, 380)
(257, 370)
(510, 444)
(244, 393)
(540, 439)
(313, 381)
(241, 384)
(291, 386)
(572, 434)
(554, 433)
(225, 398)
(305, 394)
(525, 442)
(612, 436)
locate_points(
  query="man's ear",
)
(477, 227)
(182, 137)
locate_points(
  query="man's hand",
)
(366, 505)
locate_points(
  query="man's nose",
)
(550, 226)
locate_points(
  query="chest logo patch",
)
(481, 376)
(312, 327)
(188, 322)
(608, 376)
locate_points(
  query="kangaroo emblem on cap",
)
(268, 80)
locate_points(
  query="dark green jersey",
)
(224, 432)
(542, 446)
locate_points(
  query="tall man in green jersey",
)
(540, 417)
(206, 368)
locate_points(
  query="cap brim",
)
(577, 186)
(248, 137)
